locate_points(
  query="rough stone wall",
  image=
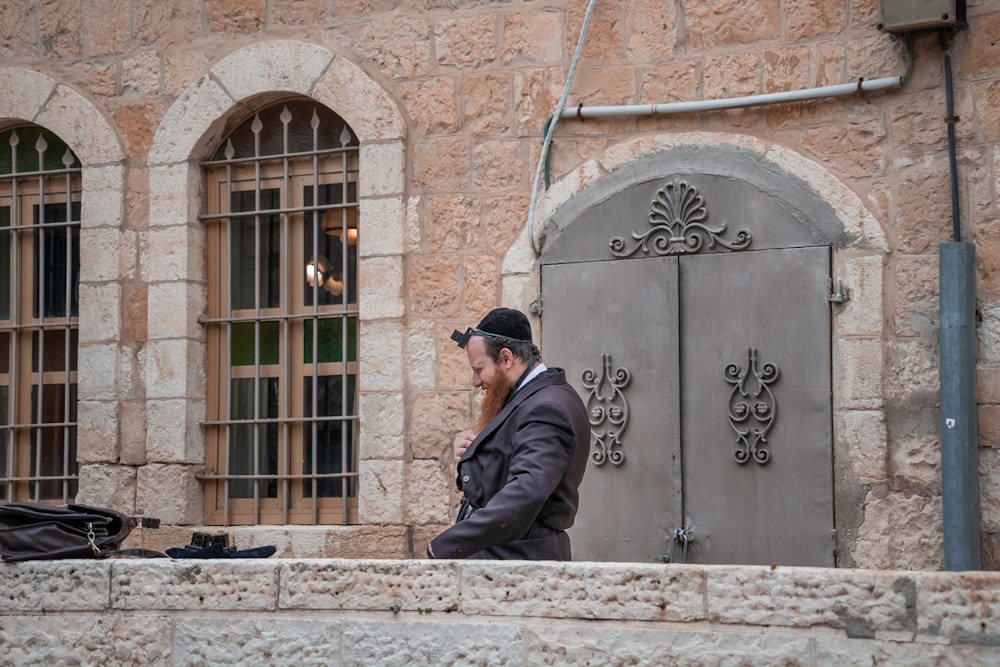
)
(450, 99)
(379, 612)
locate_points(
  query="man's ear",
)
(506, 356)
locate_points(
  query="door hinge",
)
(536, 306)
(838, 292)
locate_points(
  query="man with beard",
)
(520, 474)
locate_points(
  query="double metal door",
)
(707, 378)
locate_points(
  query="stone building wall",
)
(384, 612)
(449, 100)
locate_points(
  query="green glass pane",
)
(330, 342)
(241, 343)
(26, 140)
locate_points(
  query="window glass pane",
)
(329, 131)
(242, 343)
(4, 353)
(53, 448)
(244, 259)
(6, 279)
(57, 259)
(24, 141)
(53, 349)
(336, 234)
(330, 342)
(334, 440)
(247, 456)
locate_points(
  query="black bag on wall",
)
(39, 532)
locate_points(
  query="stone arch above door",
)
(828, 211)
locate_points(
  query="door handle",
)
(683, 535)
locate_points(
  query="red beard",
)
(494, 398)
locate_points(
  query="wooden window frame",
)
(289, 493)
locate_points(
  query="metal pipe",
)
(951, 119)
(581, 112)
(959, 428)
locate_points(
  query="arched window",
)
(282, 323)
(39, 309)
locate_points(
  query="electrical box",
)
(912, 15)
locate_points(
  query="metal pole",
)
(959, 429)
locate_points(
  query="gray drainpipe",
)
(959, 427)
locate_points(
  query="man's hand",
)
(462, 442)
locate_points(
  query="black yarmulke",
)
(508, 323)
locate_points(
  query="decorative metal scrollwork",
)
(608, 410)
(752, 407)
(679, 225)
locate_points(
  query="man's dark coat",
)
(522, 473)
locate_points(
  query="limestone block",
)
(426, 497)
(603, 43)
(370, 585)
(399, 45)
(108, 486)
(141, 74)
(734, 75)
(382, 166)
(17, 29)
(669, 82)
(383, 418)
(132, 427)
(602, 86)
(900, 531)
(186, 123)
(422, 342)
(97, 431)
(171, 200)
(181, 68)
(862, 314)
(102, 304)
(342, 85)
(285, 641)
(99, 256)
(96, 371)
(487, 109)
(103, 202)
(173, 253)
(430, 642)
(235, 17)
(872, 56)
(650, 646)
(173, 433)
(921, 222)
(989, 333)
(911, 367)
(863, 434)
(105, 27)
(381, 361)
(532, 38)
(855, 651)
(536, 92)
(81, 125)
(857, 364)
(730, 22)
(651, 32)
(811, 597)
(174, 368)
(442, 164)
(960, 605)
(173, 309)
(808, 19)
(25, 90)
(433, 286)
(298, 12)
(381, 287)
(86, 639)
(989, 490)
(273, 65)
(380, 492)
(436, 418)
(497, 165)
(451, 222)
(52, 586)
(170, 492)
(59, 30)
(187, 585)
(914, 449)
(503, 219)
(166, 24)
(608, 591)
(480, 278)
(430, 103)
(383, 227)
(468, 42)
